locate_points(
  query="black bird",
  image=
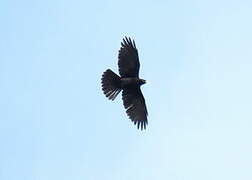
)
(128, 82)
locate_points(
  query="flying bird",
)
(128, 82)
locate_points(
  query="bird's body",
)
(128, 82)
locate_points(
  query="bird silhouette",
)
(128, 82)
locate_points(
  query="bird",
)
(128, 82)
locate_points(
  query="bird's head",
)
(142, 81)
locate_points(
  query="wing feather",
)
(134, 103)
(128, 61)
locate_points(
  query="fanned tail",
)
(111, 84)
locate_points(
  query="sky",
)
(55, 122)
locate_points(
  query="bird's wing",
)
(134, 103)
(128, 61)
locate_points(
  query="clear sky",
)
(55, 122)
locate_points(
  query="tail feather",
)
(111, 84)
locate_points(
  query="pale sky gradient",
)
(55, 122)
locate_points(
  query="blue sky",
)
(55, 123)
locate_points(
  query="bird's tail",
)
(111, 84)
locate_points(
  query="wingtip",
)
(142, 125)
(129, 41)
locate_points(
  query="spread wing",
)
(128, 62)
(135, 106)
